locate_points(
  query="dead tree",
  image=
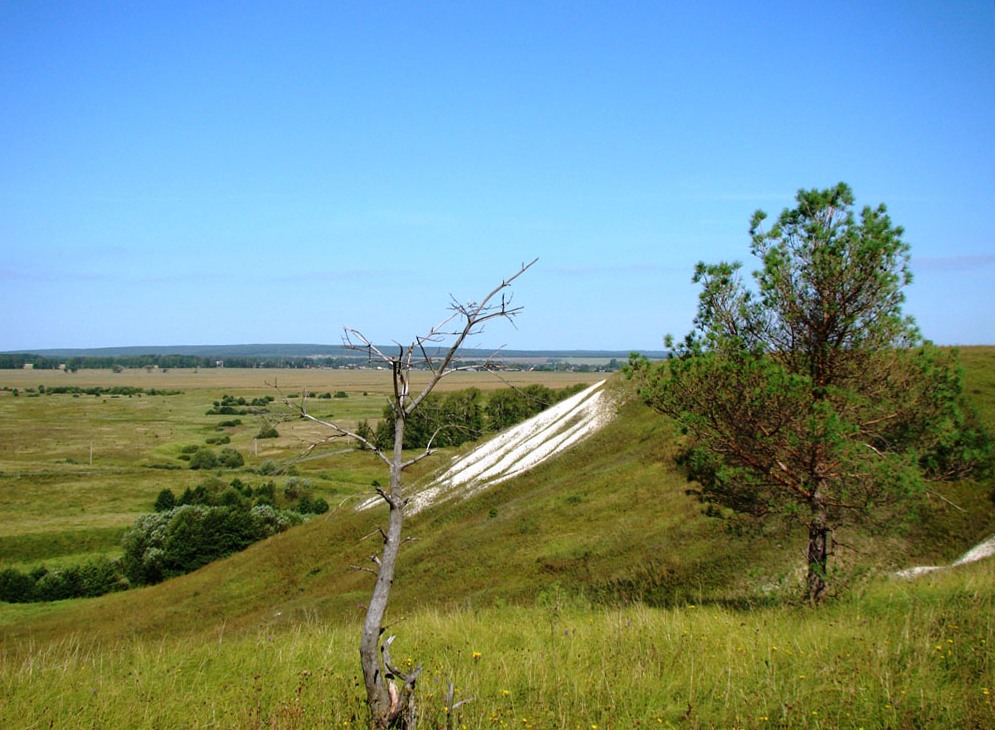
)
(390, 691)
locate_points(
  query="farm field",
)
(77, 469)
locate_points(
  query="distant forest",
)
(291, 356)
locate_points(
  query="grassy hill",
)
(595, 591)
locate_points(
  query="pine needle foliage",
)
(811, 394)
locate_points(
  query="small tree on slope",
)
(390, 692)
(811, 394)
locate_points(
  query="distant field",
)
(263, 379)
(77, 469)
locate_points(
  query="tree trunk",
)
(389, 706)
(818, 552)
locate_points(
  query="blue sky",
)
(238, 172)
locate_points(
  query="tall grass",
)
(900, 654)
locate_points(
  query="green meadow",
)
(591, 592)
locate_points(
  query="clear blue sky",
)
(237, 172)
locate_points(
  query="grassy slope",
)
(267, 638)
(897, 655)
(608, 520)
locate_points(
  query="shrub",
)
(16, 587)
(58, 586)
(308, 506)
(231, 497)
(167, 544)
(268, 468)
(204, 458)
(268, 431)
(95, 577)
(100, 576)
(295, 487)
(272, 521)
(165, 501)
(229, 458)
(266, 493)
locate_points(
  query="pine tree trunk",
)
(818, 552)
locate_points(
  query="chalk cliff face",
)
(516, 450)
(978, 552)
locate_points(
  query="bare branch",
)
(386, 497)
(416, 459)
(378, 531)
(475, 316)
(406, 677)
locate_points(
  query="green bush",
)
(229, 458)
(272, 520)
(309, 506)
(165, 501)
(268, 468)
(448, 419)
(16, 587)
(204, 458)
(93, 578)
(295, 487)
(231, 497)
(166, 544)
(265, 494)
(268, 431)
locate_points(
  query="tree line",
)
(17, 361)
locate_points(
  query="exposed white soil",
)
(516, 450)
(978, 552)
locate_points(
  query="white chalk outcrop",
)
(978, 552)
(517, 449)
